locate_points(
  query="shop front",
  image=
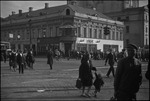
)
(91, 45)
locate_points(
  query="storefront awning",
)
(68, 26)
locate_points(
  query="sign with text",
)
(88, 41)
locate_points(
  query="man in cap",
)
(128, 77)
(111, 58)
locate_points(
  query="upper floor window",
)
(100, 33)
(79, 32)
(67, 12)
(90, 32)
(84, 31)
(113, 35)
(121, 36)
(95, 33)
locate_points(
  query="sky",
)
(8, 6)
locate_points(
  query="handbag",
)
(78, 83)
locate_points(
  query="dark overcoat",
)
(128, 76)
(85, 73)
(50, 57)
(111, 58)
(98, 82)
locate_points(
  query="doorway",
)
(67, 48)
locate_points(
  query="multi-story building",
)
(135, 18)
(66, 27)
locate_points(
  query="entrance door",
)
(67, 48)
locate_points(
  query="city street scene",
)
(75, 50)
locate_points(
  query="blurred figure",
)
(128, 76)
(50, 58)
(30, 58)
(10, 60)
(14, 60)
(123, 54)
(147, 72)
(98, 82)
(111, 58)
(85, 74)
(20, 61)
(57, 54)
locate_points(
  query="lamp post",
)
(18, 42)
(29, 22)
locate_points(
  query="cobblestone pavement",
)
(57, 84)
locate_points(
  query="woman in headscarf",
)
(85, 74)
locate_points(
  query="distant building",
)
(135, 18)
(65, 27)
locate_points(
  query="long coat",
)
(30, 57)
(85, 74)
(128, 76)
(50, 58)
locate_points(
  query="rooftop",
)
(54, 10)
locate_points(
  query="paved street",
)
(41, 83)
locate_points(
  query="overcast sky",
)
(8, 6)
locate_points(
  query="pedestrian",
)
(30, 58)
(128, 77)
(14, 60)
(50, 58)
(98, 82)
(10, 60)
(147, 72)
(111, 58)
(20, 61)
(85, 74)
(24, 57)
(123, 54)
(57, 54)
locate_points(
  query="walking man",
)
(50, 59)
(111, 58)
(128, 77)
(20, 61)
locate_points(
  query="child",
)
(98, 83)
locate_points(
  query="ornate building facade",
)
(66, 27)
(135, 18)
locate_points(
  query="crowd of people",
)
(21, 60)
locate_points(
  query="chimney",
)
(46, 5)
(13, 12)
(30, 9)
(20, 12)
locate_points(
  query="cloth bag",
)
(78, 83)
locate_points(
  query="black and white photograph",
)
(74, 50)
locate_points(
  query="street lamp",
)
(18, 42)
(29, 22)
(18, 37)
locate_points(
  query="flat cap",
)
(132, 46)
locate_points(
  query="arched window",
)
(67, 12)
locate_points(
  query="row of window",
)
(99, 33)
(55, 31)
